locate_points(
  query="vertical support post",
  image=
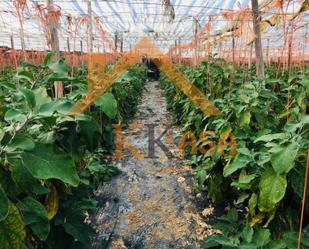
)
(290, 52)
(32, 55)
(116, 41)
(121, 44)
(195, 22)
(13, 50)
(175, 52)
(258, 39)
(81, 52)
(22, 35)
(12, 42)
(69, 49)
(304, 49)
(89, 27)
(251, 52)
(179, 50)
(54, 44)
(233, 46)
(268, 59)
(23, 43)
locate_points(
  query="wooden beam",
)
(258, 39)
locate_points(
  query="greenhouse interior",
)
(155, 124)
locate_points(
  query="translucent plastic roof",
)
(130, 19)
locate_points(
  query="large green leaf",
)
(4, 204)
(239, 162)
(43, 163)
(35, 215)
(29, 96)
(21, 142)
(60, 106)
(48, 58)
(305, 83)
(15, 115)
(283, 158)
(12, 230)
(271, 137)
(108, 104)
(80, 232)
(59, 68)
(272, 189)
(41, 96)
(247, 233)
(262, 237)
(291, 239)
(25, 182)
(223, 240)
(26, 75)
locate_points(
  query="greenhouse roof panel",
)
(129, 18)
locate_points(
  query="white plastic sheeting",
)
(131, 19)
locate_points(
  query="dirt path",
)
(151, 204)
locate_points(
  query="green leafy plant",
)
(269, 121)
(51, 162)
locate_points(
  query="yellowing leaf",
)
(245, 118)
(272, 189)
(12, 230)
(52, 203)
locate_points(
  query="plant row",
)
(50, 162)
(261, 183)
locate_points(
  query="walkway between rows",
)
(151, 204)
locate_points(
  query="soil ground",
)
(152, 204)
